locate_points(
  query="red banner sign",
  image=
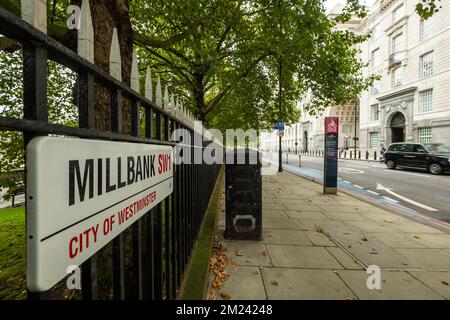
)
(331, 125)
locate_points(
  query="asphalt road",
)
(417, 190)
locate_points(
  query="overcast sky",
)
(332, 3)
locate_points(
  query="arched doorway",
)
(305, 141)
(398, 122)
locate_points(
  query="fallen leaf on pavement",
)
(225, 296)
(239, 253)
(417, 237)
(274, 283)
(364, 238)
(264, 253)
(388, 221)
(445, 283)
(349, 298)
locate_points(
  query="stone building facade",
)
(412, 56)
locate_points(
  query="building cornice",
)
(397, 93)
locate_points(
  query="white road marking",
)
(373, 192)
(415, 203)
(355, 185)
(390, 199)
(347, 181)
(409, 173)
(350, 170)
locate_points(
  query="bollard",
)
(367, 155)
(299, 160)
(351, 154)
(345, 154)
(359, 154)
(287, 158)
(374, 155)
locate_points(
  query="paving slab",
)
(282, 223)
(291, 237)
(395, 285)
(341, 208)
(274, 213)
(271, 206)
(438, 281)
(312, 224)
(253, 253)
(432, 240)
(304, 284)
(369, 251)
(305, 214)
(319, 239)
(429, 259)
(345, 259)
(414, 227)
(300, 205)
(370, 226)
(244, 283)
(288, 256)
(346, 216)
(396, 239)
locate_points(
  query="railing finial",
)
(134, 78)
(115, 61)
(158, 98)
(166, 98)
(35, 13)
(148, 85)
(86, 33)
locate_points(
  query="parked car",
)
(431, 156)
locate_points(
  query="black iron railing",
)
(149, 259)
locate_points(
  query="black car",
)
(431, 156)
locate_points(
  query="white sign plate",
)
(81, 194)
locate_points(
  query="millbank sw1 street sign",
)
(81, 194)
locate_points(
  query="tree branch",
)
(218, 98)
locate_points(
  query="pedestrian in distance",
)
(382, 152)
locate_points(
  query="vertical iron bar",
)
(137, 226)
(179, 217)
(118, 242)
(149, 221)
(167, 225)
(158, 232)
(174, 226)
(86, 114)
(35, 103)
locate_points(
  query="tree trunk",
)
(107, 14)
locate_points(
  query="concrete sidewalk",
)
(319, 246)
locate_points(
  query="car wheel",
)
(435, 168)
(391, 164)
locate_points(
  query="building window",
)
(426, 64)
(374, 140)
(426, 101)
(375, 89)
(426, 29)
(397, 47)
(425, 135)
(375, 113)
(375, 59)
(397, 77)
(397, 14)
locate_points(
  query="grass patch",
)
(13, 251)
(196, 277)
